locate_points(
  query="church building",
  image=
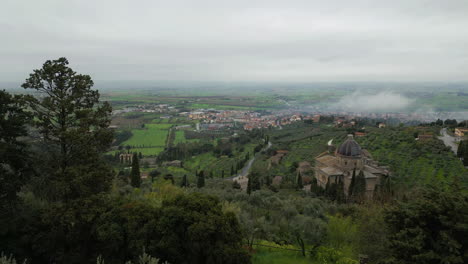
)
(338, 165)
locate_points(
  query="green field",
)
(268, 256)
(153, 135)
(179, 137)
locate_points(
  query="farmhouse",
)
(126, 158)
(360, 134)
(461, 132)
(339, 166)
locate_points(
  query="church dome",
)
(349, 148)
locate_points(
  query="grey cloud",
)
(363, 40)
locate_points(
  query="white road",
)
(449, 140)
(242, 178)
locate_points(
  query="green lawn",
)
(179, 137)
(153, 135)
(265, 255)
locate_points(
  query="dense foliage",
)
(67, 212)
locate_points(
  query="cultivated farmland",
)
(149, 140)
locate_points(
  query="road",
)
(448, 140)
(242, 177)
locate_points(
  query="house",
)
(126, 158)
(461, 132)
(360, 134)
(316, 118)
(382, 125)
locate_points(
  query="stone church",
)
(339, 165)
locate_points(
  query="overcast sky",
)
(237, 40)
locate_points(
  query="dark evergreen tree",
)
(135, 178)
(351, 184)
(14, 157)
(222, 174)
(359, 188)
(462, 151)
(299, 182)
(169, 177)
(184, 182)
(340, 195)
(314, 188)
(201, 180)
(75, 130)
(153, 174)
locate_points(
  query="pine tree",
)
(135, 179)
(75, 126)
(153, 174)
(201, 180)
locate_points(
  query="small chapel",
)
(338, 164)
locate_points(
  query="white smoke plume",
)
(383, 101)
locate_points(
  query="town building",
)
(340, 164)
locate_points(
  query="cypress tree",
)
(201, 180)
(314, 186)
(249, 186)
(300, 185)
(359, 188)
(340, 195)
(184, 181)
(135, 179)
(327, 188)
(351, 185)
